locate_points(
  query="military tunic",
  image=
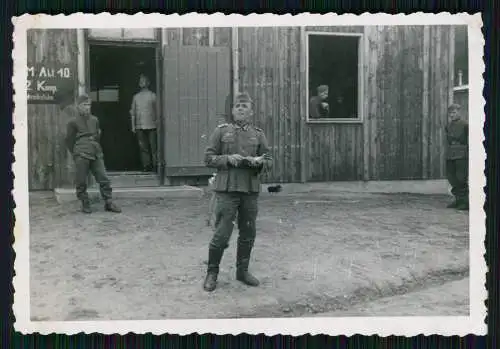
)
(82, 140)
(233, 139)
(83, 135)
(238, 187)
(316, 109)
(457, 159)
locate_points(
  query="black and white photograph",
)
(259, 174)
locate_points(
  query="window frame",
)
(210, 36)
(461, 88)
(123, 39)
(360, 96)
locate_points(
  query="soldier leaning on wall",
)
(82, 140)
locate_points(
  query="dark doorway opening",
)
(114, 79)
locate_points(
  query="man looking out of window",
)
(318, 106)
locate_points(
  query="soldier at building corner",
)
(144, 123)
(457, 157)
(82, 140)
(239, 152)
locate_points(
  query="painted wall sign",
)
(47, 84)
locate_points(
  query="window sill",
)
(121, 41)
(461, 88)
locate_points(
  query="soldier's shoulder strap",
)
(258, 129)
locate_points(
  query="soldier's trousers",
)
(457, 172)
(228, 205)
(148, 147)
(98, 170)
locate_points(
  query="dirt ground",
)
(315, 254)
(443, 300)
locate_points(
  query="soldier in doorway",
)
(457, 157)
(318, 105)
(82, 140)
(239, 152)
(144, 123)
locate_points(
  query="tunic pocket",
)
(251, 146)
(228, 143)
(228, 138)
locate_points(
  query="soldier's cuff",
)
(223, 161)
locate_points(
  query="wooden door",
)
(197, 82)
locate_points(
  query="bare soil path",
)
(315, 254)
(449, 299)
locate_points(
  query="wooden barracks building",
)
(389, 88)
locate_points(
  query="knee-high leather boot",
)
(242, 261)
(214, 258)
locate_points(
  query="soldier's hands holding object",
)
(257, 161)
(246, 161)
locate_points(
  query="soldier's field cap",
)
(82, 98)
(242, 97)
(322, 88)
(454, 106)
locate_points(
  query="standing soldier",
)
(239, 152)
(144, 121)
(82, 139)
(457, 157)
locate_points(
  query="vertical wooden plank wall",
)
(441, 65)
(406, 85)
(334, 152)
(407, 92)
(425, 102)
(395, 81)
(372, 51)
(171, 93)
(49, 162)
(269, 70)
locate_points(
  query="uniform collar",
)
(244, 126)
